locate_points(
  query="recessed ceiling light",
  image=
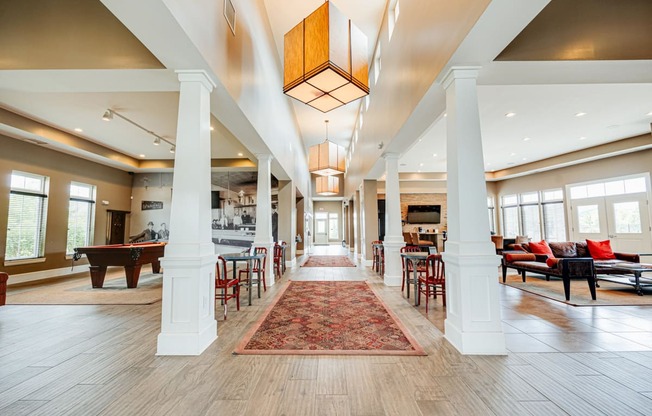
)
(445, 114)
(582, 138)
(141, 155)
(512, 154)
(488, 164)
(420, 164)
(78, 129)
(580, 114)
(510, 114)
(419, 139)
(212, 128)
(525, 158)
(240, 154)
(525, 139)
(649, 114)
(434, 155)
(419, 171)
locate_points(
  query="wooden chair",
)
(257, 267)
(417, 242)
(408, 265)
(434, 282)
(223, 284)
(375, 256)
(278, 260)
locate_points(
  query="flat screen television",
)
(424, 214)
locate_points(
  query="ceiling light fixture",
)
(649, 114)
(326, 158)
(582, 138)
(510, 114)
(240, 154)
(325, 60)
(526, 139)
(173, 149)
(328, 185)
(580, 114)
(78, 130)
(108, 116)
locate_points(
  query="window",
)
(539, 215)
(510, 216)
(492, 214)
(80, 216)
(392, 17)
(27, 216)
(333, 226)
(377, 65)
(632, 185)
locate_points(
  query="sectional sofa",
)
(568, 260)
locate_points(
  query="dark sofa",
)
(571, 260)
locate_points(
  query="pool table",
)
(130, 256)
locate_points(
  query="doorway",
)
(321, 228)
(616, 210)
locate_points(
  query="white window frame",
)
(38, 252)
(90, 223)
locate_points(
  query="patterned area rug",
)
(608, 294)
(336, 318)
(328, 261)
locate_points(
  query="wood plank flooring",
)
(100, 360)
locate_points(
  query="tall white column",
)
(393, 231)
(263, 236)
(473, 323)
(287, 218)
(188, 323)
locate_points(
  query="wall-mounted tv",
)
(424, 214)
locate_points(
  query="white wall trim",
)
(46, 274)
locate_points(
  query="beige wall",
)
(112, 185)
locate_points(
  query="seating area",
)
(566, 260)
(223, 285)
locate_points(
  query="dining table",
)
(250, 259)
(413, 257)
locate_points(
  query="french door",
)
(623, 219)
(321, 230)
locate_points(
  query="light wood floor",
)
(100, 360)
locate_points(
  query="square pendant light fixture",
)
(325, 60)
(326, 158)
(327, 185)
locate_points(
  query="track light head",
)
(108, 115)
(173, 149)
(157, 141)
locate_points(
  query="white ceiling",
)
(616, 98)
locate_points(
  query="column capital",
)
(460, 72)
(264, 156)
(391, 155)
(196, 75)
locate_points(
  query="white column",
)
(287, 218)
(473, 324)
(188, 323)
(393, 231)
(263, 236)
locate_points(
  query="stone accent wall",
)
(423, 199)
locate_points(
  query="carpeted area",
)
(608, 294)
(77, 290)
(334, 317)
(328, 261)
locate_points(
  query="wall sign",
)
(149, 205)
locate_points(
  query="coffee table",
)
(637, 280)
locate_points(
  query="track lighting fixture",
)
(108, 116)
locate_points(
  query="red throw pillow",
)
(552, 262)
(512, 257)
(541, 247)
(600, 250)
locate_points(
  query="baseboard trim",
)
(47, 274)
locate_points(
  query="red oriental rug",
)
(335, 318)
(328, 261)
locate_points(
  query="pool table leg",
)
(156, 267)
(97, 276)
(132, 273)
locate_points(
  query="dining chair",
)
(375, 256)
(407, 265)
(434, 282)
(257, 266)
(278, 259)
(223, 284)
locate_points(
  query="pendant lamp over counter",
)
(327, 185)
(326, 158)
(325, 60)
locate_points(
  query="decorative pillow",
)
(541, 247)
(512, 257)
(552, 262)
(600, 250)
(521, 239)
(563, 249)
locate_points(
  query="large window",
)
(27, 214)
(80, 216)
(538, 215)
